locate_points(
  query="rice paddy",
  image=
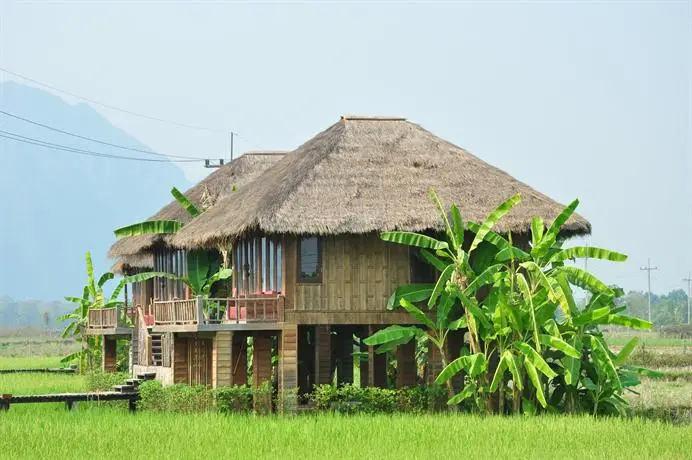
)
(106, 430)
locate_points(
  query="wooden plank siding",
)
(359, 274)
(180, 368)
(110, 357)
(288, 357)
(261, 358)
(222, 361)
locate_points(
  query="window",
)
(257, 266)
(309, 260)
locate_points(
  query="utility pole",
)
(648, 269)
(689, 292)
(232, 145)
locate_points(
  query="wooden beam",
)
(323, 355)
(406, 375)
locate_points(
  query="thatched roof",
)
(126, 263)
(219, 183)
(366, 174)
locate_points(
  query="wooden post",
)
(406, 365)
(377, 364)
(434, 364)
(288, 368)
(323, 355)
(200, 309)
(455, 340)
(109, 356)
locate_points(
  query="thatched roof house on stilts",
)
(310, 270)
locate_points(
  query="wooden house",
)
(310, 271)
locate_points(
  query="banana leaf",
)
(535, 381)
(537, 229)
(491, 237)
(440, 209)
(412, 292)
(434, 260)
(528, 299)
(585, 280)
(627, 321)
(466, 393)
(512, 253)
(392, 334)
(413, 239)
(149, 227)
(626, 351)
(457, 226)
(492, 219)
(186, 204)
(440, 285)
(542, 248)
(560, 344)
(416, 313)
(589, 252)
(535, 359)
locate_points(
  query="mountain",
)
(56, 205)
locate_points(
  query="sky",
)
(578, 99)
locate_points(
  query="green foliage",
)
(104, 381)
(178, 398)
(520, 352)
(235, 399)
(149, 227)
(349, 399)
(262, 398)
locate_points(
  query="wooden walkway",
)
(70, 398)
(127, 392)
(46, 370)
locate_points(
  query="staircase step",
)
(147, 376)
(133, 382)
(124, 388)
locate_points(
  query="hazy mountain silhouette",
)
(56, 205)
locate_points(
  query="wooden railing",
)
(102, 318)
(233, 310)
(106, 318)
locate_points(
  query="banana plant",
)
(158, 227)
(92, 297)
(509, 297)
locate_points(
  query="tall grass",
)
(115, 434)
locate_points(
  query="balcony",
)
(256, 312)
(109, 321)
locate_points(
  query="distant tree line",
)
(34, 313)
(668, 309)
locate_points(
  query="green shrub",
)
(104, 381)
(178, 398)
(235, 399)
(644, 357)
(288, 401)
(349, 399)
(262, 398)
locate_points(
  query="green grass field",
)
(107, 430)
(111, 433)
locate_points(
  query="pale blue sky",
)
(588, 100)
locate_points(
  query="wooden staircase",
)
(157, 350)
(131, 385)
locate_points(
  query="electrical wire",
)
(96, 140)
(50, 145)
(112, 107)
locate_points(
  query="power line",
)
(112, 107)
(648, 269)
(68, 133)
(65, 148)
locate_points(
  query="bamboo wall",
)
(359, 274)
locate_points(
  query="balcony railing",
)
(107, 318)
(229, 310)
